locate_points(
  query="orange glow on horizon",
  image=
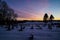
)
(34, 18)
(57, 19)
(28, 18)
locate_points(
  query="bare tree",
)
(6, 12)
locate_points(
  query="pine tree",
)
(51, 17)
(45, 17)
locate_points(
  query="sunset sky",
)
(35, 9)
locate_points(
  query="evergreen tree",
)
(51, 17)
(45, 17)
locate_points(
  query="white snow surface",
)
(38, 34)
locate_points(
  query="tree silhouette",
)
(0, 11)
(51, 17)
(6, 13)
(14, 16)
(4, 10)
(45, 18)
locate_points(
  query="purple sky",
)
(35, 9)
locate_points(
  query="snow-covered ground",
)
(38, 31)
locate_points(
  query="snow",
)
(38, 34)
